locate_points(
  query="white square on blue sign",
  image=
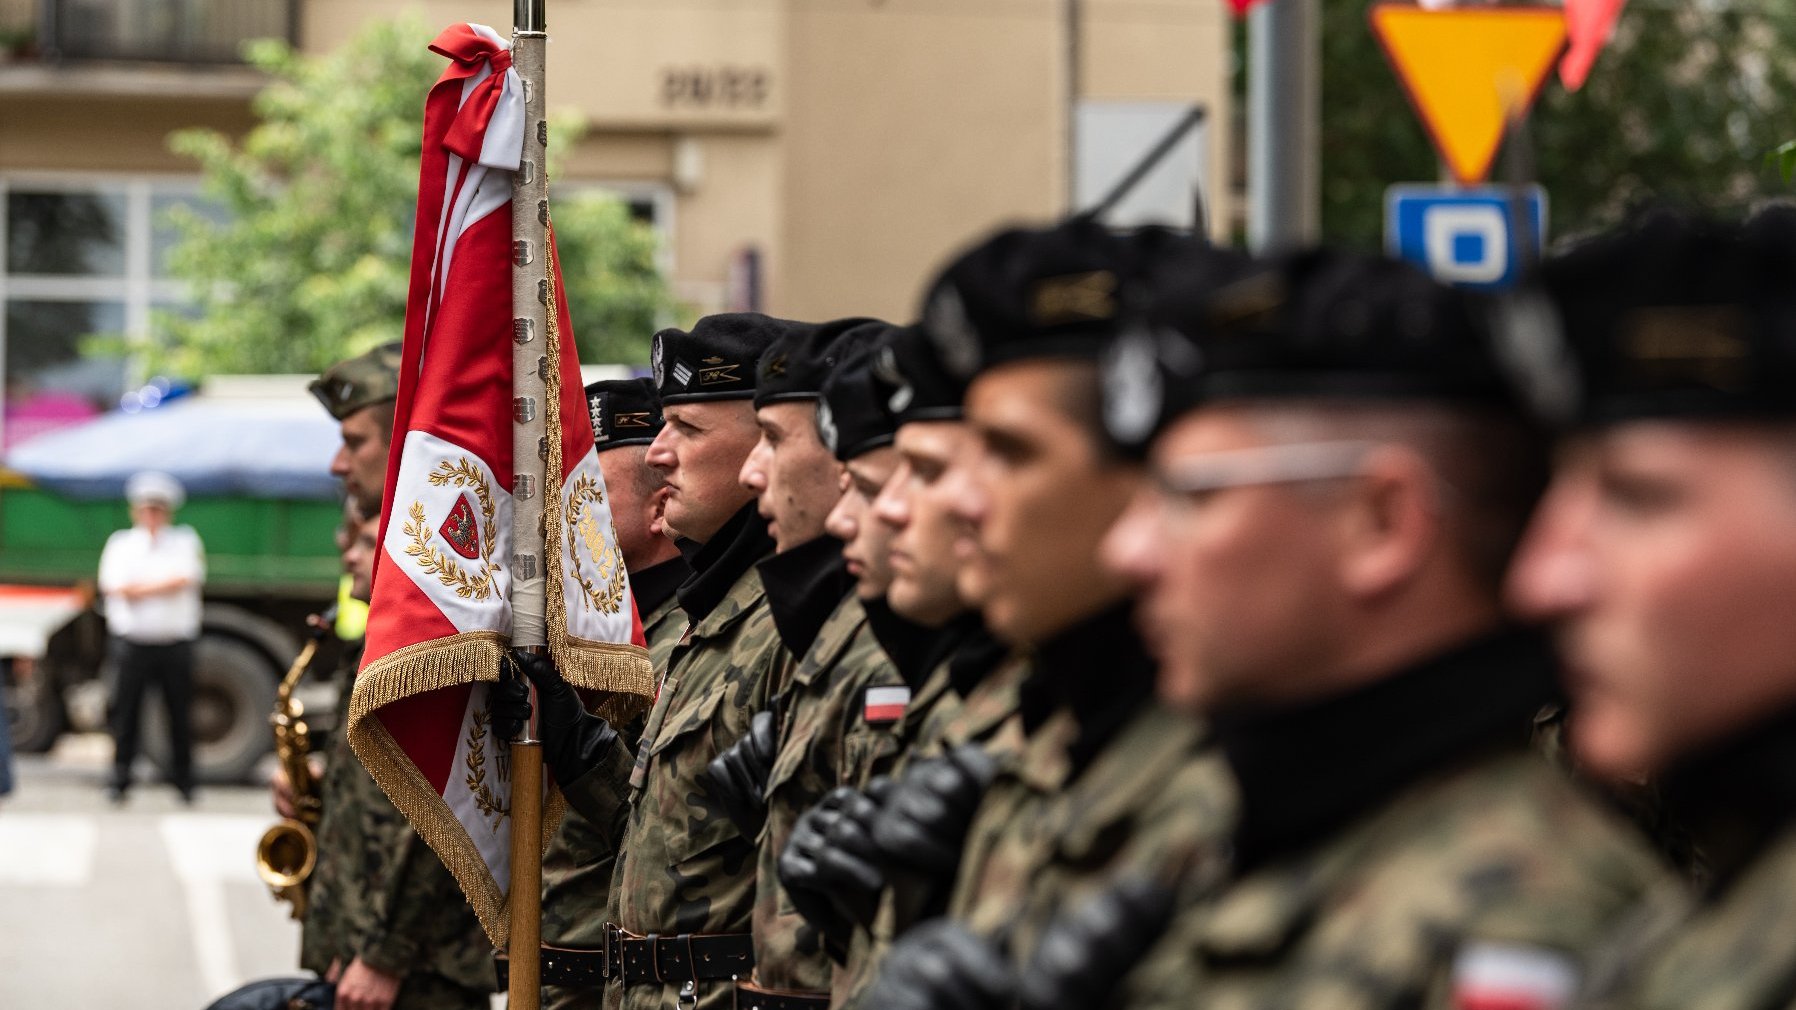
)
(1462, 236)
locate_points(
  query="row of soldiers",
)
(1156, 626)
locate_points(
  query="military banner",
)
(440, 617)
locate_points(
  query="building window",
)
(83, 256)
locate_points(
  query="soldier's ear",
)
(1390, 523)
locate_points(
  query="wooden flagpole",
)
(530, 293)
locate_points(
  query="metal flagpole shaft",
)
(1284, 98)
(530, 482)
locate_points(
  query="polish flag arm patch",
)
(1499, 976)
(885, 704)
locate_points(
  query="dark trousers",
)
(170, 668)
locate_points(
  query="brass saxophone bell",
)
(285, 856)
(288, 851)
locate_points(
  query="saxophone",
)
(287, 852)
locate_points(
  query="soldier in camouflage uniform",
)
(577, 868)
(1665, 555)
(385, 920)
(821, 736)
(1339, 481)
(683, 890)
(1103, 780)
(840, 880)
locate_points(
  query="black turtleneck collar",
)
(804, 586)
(974, 658)
(1309, 768)
(915, 649)
(719, 562)
(1100, 670)
(654, 584)
(1736, 795)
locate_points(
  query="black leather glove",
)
(851, 865)
(805, 885)
(1086, 951)
(574, 740)
(739, 775)
(940, 965)
(508, 701)
(925, 822)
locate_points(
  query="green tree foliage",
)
(308, 260)
(1683, 106)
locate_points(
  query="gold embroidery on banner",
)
(479, 586)
(605, 591)
(484, 797)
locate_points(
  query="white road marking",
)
(206, 852)
(47, 850)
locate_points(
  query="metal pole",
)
(1284, 113)
(1075, 32)
(529, 454)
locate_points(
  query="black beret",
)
(624, 412)
(1029, 293)
(853, 413)
(796, 365)
(1150, 371)
(716, 359)
(917, 386)
(1323, 324)
(1675, 316)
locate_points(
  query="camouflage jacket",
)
(825, 741)
(578, 865)
(1728, 945)
(987, 715)
(682, 867)
(1437, 867)
(1157, 802)
(378, 892)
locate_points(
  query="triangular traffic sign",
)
(1468, 71)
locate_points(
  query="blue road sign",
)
(1462, 236)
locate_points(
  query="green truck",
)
(262, 500)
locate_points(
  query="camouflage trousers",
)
(423, 991)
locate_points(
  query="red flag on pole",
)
(1588, 26)
(441, 613)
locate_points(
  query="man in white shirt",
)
(150, 576)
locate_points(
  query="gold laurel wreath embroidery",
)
(607, 598)
(463, 474)
(484, 798)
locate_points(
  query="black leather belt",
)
(753, 997)
(646, 960)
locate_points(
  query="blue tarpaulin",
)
(269, 449)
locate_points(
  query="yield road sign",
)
(1464, 236)
(1468, 71)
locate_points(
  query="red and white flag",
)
(441, 616)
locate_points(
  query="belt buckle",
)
(614, 952)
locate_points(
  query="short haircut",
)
(1492, 465)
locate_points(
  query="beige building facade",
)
(812, 158)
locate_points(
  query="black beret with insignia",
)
(1323, 325)
(794, 368)
(1674, 316)
(1150, 371)
(624, 412)
(853, 415)
(917, 386)
(361, 381)
(1334, 324)
(717, 358)
(1029, 293)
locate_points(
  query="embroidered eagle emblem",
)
(461, 530)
